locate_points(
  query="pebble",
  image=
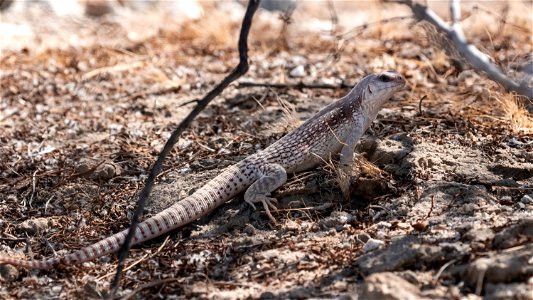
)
(514, 143)
(184, 144)
(185, 170)
(8, 273)
(249, 229)
(362, 238)
(292, 225)
(372, 244)
(298, 71)
(267, 295)
(527, 199)
(36, 225)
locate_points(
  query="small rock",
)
(106, 171)
(514, 235)
(37, 225)
(509, 182)
(372, 244)
(500, 268)
(403, 225)
(184, 144)
(267, 295)
(57, 289)
(387, 286)
(507, 199)
(420, 225)
(9, 273)
(97, 8)
(514, 143)
(398, 254)
(249, 229)
(407, 253)
(472, 137)
(480, 235)
(292, 226)
(276, 5)
(185, 170)
(527, 199)
(337, 218)
(300, 293)
(362, 238)
(298, 71)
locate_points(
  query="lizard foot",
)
(268, 203)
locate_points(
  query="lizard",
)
(335, 129)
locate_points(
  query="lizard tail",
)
(214, 193)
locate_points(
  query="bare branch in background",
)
(338, 43)
(355, 31)
(239, 70)
(286, 18)
(477, 59)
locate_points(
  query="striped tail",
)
(217, 191)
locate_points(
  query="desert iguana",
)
(334, 129)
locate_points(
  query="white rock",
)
(527, 199)
(372, 244)
(298, 71)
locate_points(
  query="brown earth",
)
(440, 203)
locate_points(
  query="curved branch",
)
(237, 72)
(477, 59)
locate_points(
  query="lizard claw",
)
(251, 204)
(268, 203)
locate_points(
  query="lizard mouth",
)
(398, 84)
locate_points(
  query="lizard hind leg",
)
(272, 176)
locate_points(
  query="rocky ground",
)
(439, 205)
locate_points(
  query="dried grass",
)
(520, 121)
(216, 31)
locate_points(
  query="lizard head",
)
(376, 89)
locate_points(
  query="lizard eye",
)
(385, 78)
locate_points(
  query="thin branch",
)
(239, 70)
(355, 30)
(299, 85)
(476, 58)
(286, 18)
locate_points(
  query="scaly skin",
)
(334, 129)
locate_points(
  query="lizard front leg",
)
(272, 176)
(347, 151)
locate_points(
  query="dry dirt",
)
(440, 205)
